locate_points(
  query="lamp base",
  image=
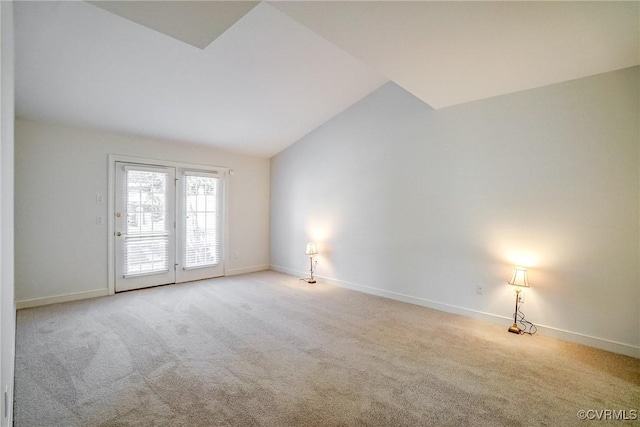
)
(311, 280)
(515, 329)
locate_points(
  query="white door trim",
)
(111, 187)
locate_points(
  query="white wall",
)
(7, 302)
(61, 251)
(422, 205)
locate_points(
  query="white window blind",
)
(146, 244)
(203, 220)
(146, 255)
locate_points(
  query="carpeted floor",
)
(266, 349)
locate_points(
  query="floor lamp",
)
(311, 251)
(519, 280)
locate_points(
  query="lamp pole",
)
(311, 280)
(514, 328)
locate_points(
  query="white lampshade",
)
(519, 277)
(311, 249)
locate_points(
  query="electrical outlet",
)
(236, 255)
(99, 199)
(480, 289)
(99, 220)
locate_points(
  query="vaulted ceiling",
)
(254, 77)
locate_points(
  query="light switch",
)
(99, 199)
(99, 220)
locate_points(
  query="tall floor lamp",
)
(519, 280)
(311, 251)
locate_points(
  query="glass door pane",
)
(202, 231)
(147, 237)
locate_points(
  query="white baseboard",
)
(575, 337)
(35, 302)
(288, 271)
(245, 270)
(588, 340)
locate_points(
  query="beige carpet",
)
(268, 350)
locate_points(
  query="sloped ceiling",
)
(448, 53)
(195, 22)
(256, 78)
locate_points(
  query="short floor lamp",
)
(519, 280)
(311, 251)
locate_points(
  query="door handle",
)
(118, 234)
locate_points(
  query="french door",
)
(199, 225)
(168, 225)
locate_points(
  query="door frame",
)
(111, 194)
